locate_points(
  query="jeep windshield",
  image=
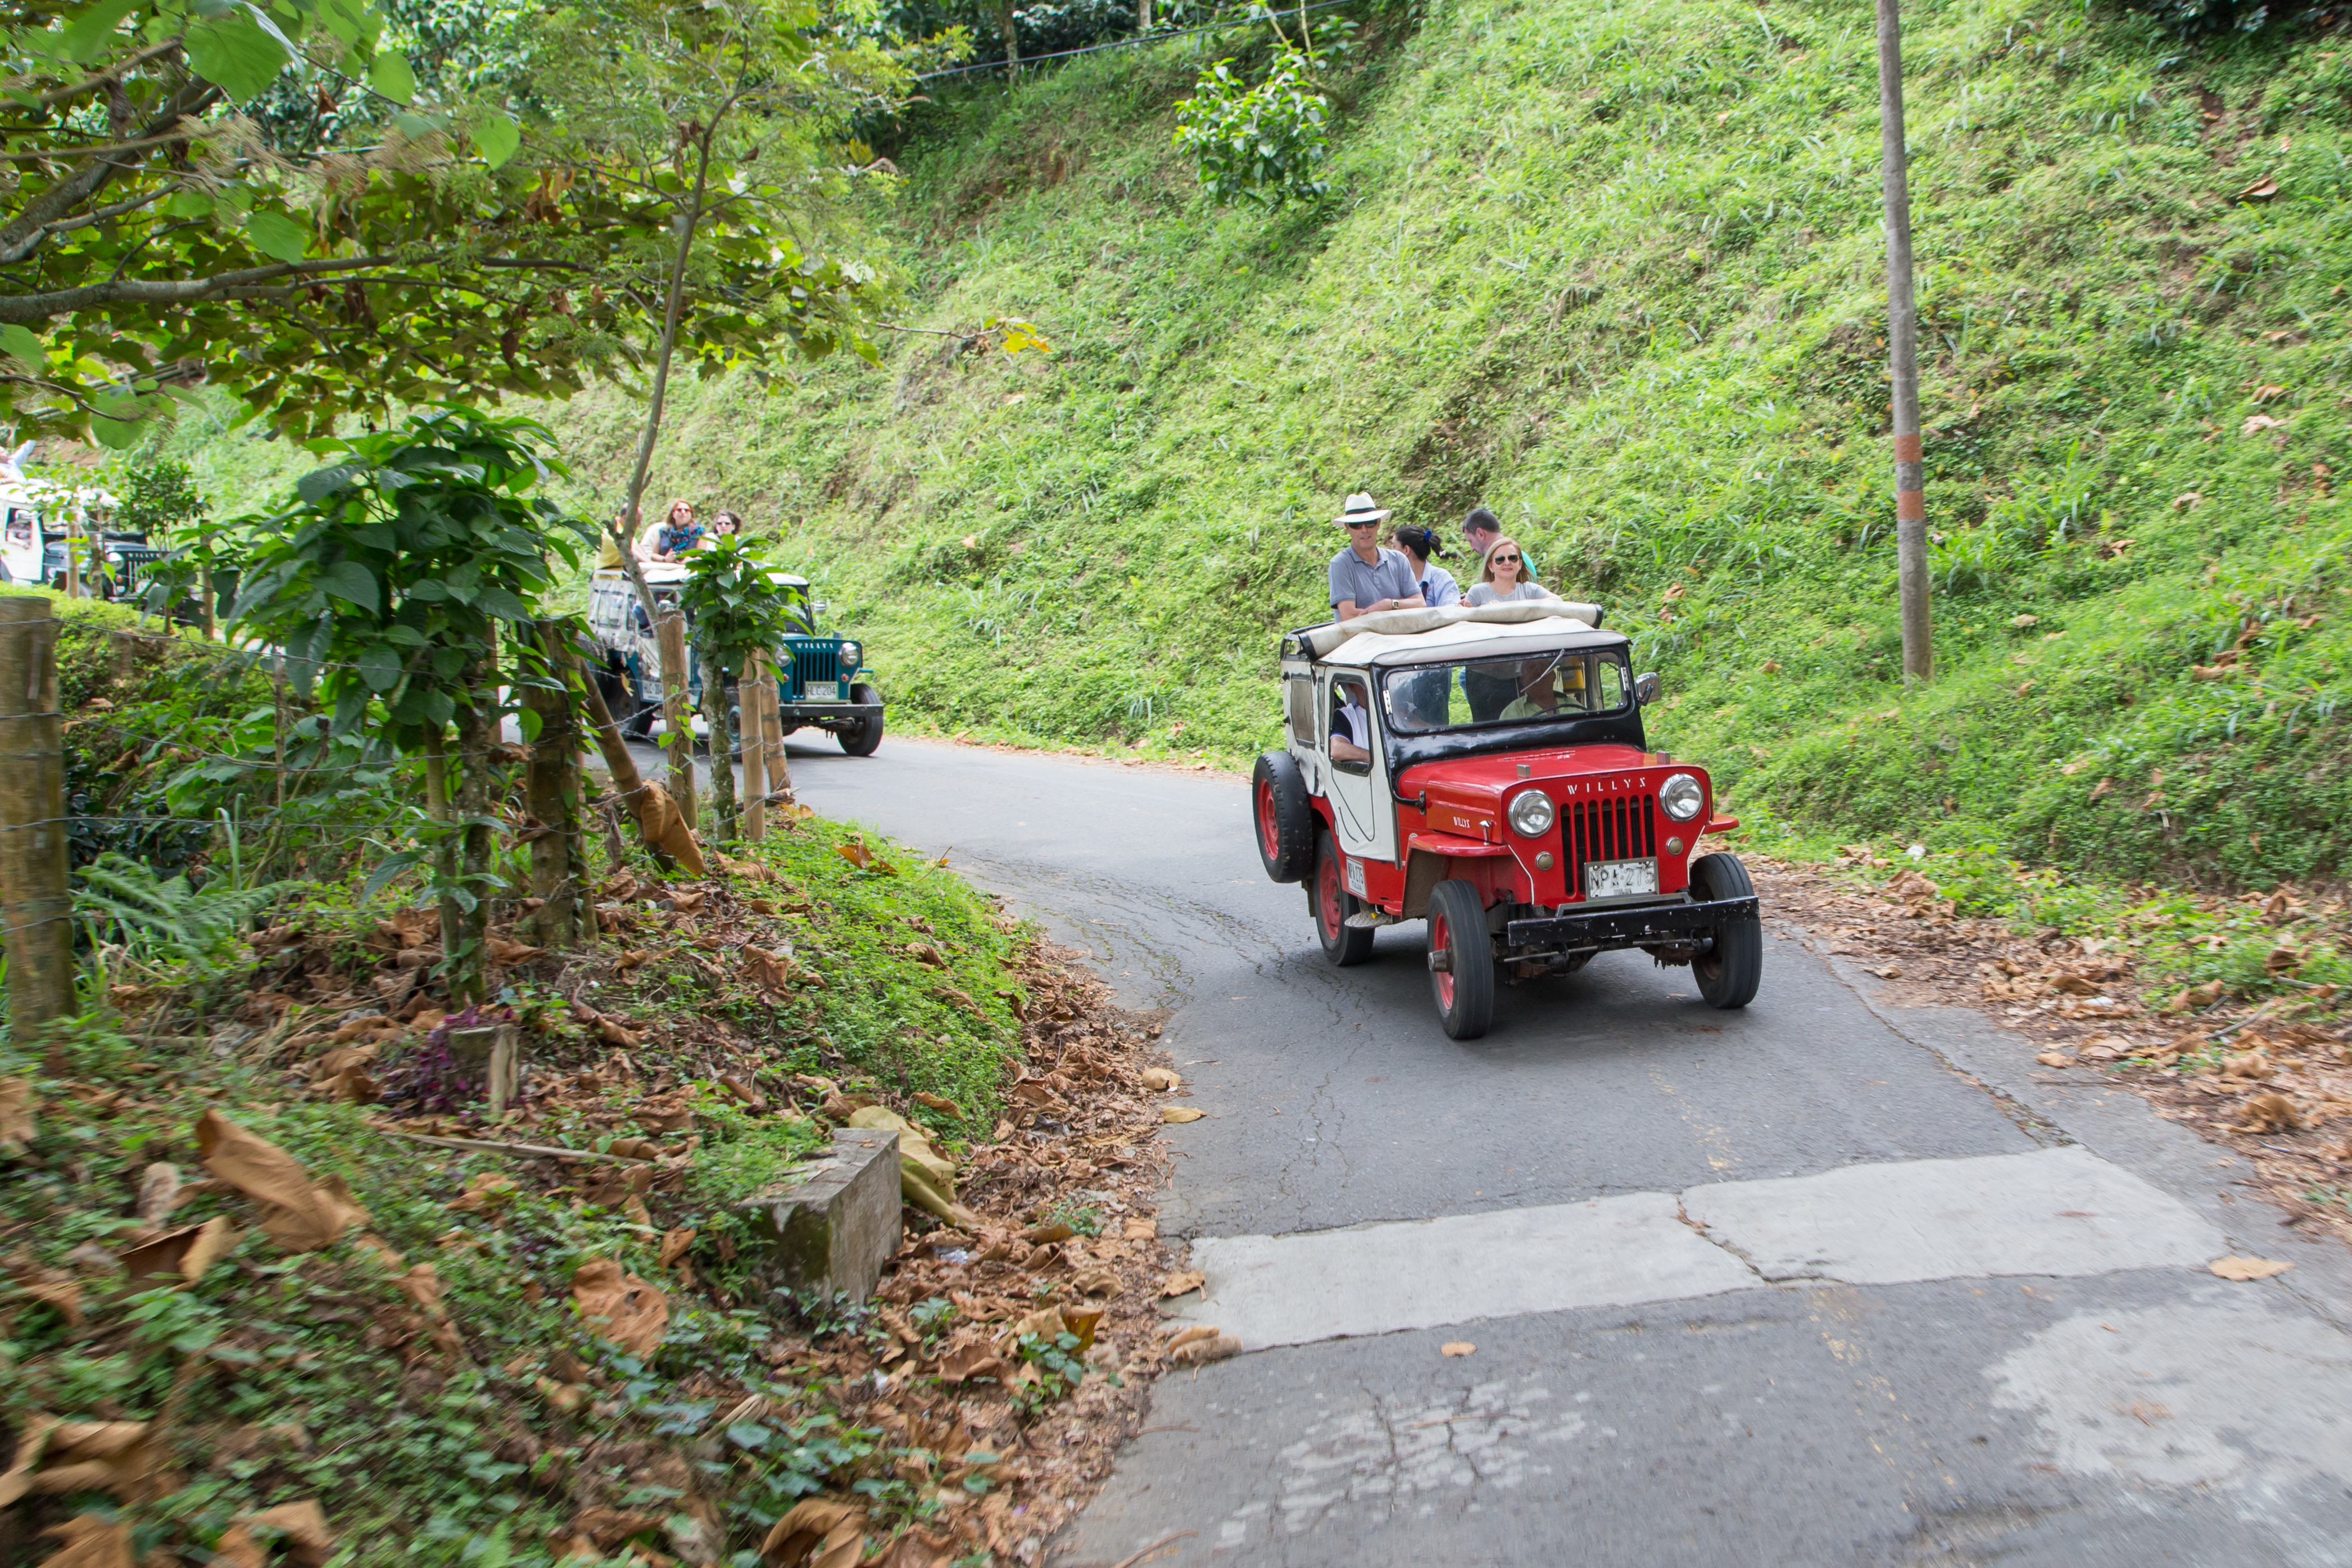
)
(1495, 694)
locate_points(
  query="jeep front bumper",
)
(1637, 925)
(827, 712)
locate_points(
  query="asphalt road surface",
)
(1823, 1281)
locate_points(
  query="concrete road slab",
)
(1292, 1290)
(2057, 1211)
(1948, 1423)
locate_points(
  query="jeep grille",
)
(1623, 828)
(815, 664)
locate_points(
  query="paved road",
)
(1819, 1282)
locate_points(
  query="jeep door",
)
(1362, 815)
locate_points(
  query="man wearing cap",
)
(1365, 577)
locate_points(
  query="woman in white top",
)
(1498, 579)
(1438, 587)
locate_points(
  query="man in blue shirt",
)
(1365, 577)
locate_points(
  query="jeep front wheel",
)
(1285, 823)
(1728, 973)
(1460, 960)
(860, 738)
(1343, 944)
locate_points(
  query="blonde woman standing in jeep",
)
(1499, 580)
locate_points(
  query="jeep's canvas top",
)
(1389, 638)
(664, 573)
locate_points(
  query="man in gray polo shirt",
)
(1365, 577)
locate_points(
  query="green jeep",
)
(818, 684)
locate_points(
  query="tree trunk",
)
(684, 225)
(635, 796)
(1011, 38)
(559, 860)
(478, 738)
(444, 847)
(677, 675)
(1143, 16)
(722, 748)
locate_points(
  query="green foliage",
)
(359, 248)
(387, 577)
(1266, 144)
(1617, 273)
(162, 921)
(733, 602)
(160, 499)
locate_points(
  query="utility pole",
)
(1903, 356)
(35, 904)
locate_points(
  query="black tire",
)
(1279, 814)
(1728, 974)
(1464, 989)
(860, 739)
(1343, 944)
(639, 724)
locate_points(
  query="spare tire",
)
(1283, 822)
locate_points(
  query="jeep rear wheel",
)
(1343, 944)
(1460, 960)
(1285, 823)
(1728, 973)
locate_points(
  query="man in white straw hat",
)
(1364, 576)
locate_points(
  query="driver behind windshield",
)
(1547, 687)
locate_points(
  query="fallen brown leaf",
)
(2243, 1268)
(1160, 1079)
(674, 1244)
(504, 950)
(90, 1542)
(300, 1214)
(1177, 1284)
(1457, 1348)
(620, 1307)
(1181, 1113)
(180, 1256)
(819, 1533)
(2270, 1112)
(16, 1124)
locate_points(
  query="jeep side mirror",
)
(824, 606)
(1646, 690)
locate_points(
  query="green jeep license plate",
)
(821, 691)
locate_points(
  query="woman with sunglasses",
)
(1499, 580)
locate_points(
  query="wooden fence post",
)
(36, 907)
(670, 631)
(752, 702)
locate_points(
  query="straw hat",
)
(1362, 510)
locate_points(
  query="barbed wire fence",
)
(555, 815)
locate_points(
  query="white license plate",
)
(1619, 878)
(821, 691)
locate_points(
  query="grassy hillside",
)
(1615, 270)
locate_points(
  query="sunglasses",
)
(1353, 526)
(1507, 560)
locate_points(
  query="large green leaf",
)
(235, 54)
(380, 667)
(497, 138)
(391, 77)
(91, 32)
(353, 583)
(276, 236)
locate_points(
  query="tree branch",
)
(55, 96)
(22, 235)
(248, 284)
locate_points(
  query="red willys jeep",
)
(1485, 770)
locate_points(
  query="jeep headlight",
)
(1681, 796)
(850, 655)
(1530, 813)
